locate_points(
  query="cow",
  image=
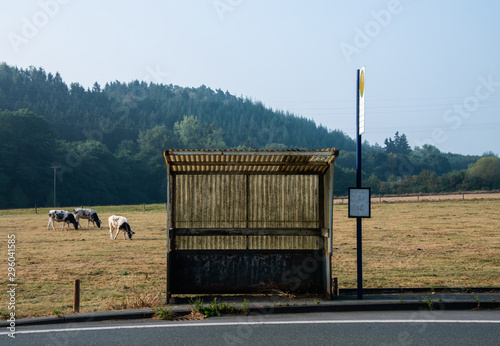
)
(61, 216)
(88, 214)
(119, 223)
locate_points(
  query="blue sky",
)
(432, 67)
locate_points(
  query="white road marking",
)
(218, 324)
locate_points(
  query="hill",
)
(108, 141)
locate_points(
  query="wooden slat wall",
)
(210, 201)
(220, 201)
(286, 201)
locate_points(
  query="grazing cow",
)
(62, 216)
(119, 223)
(88, 214)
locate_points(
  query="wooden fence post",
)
(335, 286)
(76, 296)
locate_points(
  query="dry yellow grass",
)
(112, 272)
(446, 243)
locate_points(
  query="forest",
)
(103, 144)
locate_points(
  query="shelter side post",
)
(328, 208)
(330, 228)
(168, 207)
(321, 204)
(330, 214)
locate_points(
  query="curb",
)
(85, 317)
(409, 290)
(376, 306)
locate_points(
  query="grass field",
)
(426, 244)
(442, 243)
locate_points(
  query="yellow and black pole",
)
(360, 127)
(359, 197)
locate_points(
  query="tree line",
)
(107, 142)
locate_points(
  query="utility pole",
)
(55, 170)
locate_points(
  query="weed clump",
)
(164, 313)
(217, 309)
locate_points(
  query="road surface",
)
(354, 328)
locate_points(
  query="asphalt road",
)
(354, 328)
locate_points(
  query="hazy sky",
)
(432, 67)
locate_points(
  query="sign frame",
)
(359, 205)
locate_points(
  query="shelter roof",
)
(245, 161)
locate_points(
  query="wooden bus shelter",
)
(243, 221)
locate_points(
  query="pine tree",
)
(397, 146)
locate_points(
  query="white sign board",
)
(359, 202)
(361, 96)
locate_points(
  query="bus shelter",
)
(246, 221)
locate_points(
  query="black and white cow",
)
(88, 214)
(119, 223)
(61, 216)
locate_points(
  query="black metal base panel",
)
(246, 271)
